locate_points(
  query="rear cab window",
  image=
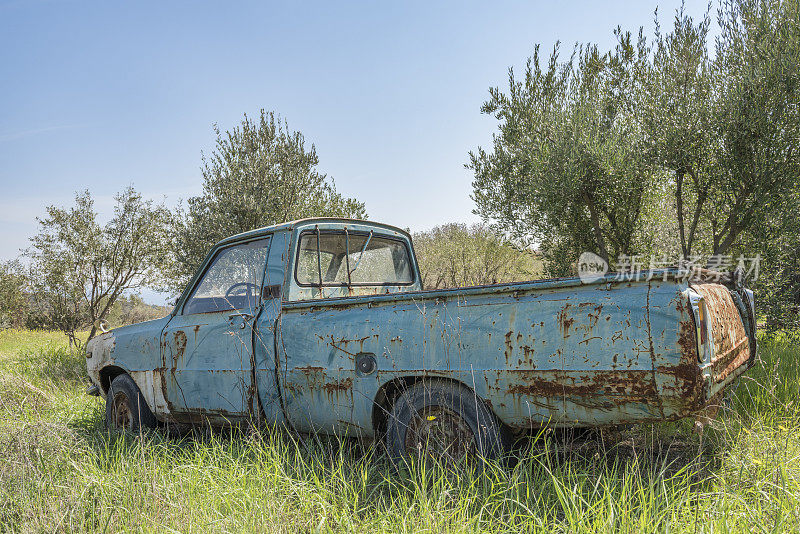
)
(342, 262)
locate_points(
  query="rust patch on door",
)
(565, 320)
(340, 385)
(180, 345)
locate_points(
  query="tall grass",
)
(60, 470)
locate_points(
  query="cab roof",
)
(291, 225)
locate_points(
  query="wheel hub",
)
(438, 432)
(121, 412)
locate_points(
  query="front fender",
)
(99, 355)
(133, 349)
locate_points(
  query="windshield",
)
(232, 281)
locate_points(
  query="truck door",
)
(267, 330)
(208, 346)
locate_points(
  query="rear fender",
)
(731, 350)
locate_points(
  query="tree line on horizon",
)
(654, 148)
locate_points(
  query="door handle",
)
(270, 292)
(244, 315)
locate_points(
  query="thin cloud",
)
(30, 133)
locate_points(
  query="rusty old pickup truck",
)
(323, 325)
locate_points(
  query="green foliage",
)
(79, 268)
(777, 240)
(726, 128)
(62, 471)
(727, 131)
(678, 117)
(455, 255)
(566, 167)
(757, 117)
(259, 174)
(759, 52)
(650, 148)
(13, 300)
(130, 309)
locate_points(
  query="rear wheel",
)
(126, 409)
(443, 421)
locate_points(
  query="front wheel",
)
(126, 409)
(443, 421)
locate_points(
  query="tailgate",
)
(727, 347)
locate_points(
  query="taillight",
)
(701, 312)
(702, 329)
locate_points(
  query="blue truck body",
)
(332, 357)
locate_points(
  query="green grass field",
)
(61, 471)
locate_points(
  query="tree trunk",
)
(679, 201)
(598, 233)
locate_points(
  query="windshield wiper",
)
(360, 255)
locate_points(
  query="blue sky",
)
(103, 95)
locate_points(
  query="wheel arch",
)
(390, 390)
(108, 374)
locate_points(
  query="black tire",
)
(443, 420)
(126, 409)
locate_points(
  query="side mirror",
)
(102, 325)
(270, 292)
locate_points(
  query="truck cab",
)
(216, 351)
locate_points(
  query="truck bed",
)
(557, 352)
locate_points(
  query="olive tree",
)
(677, 114)
(260, 173)
(726, 131)
(776, 239)
(457, 255)
(79, 267)
(757, 117)
(13, 296)
(727, 128)
(589, 149)
(565, 169)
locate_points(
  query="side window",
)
(379, 261)
(232, 281)
(341, 259)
